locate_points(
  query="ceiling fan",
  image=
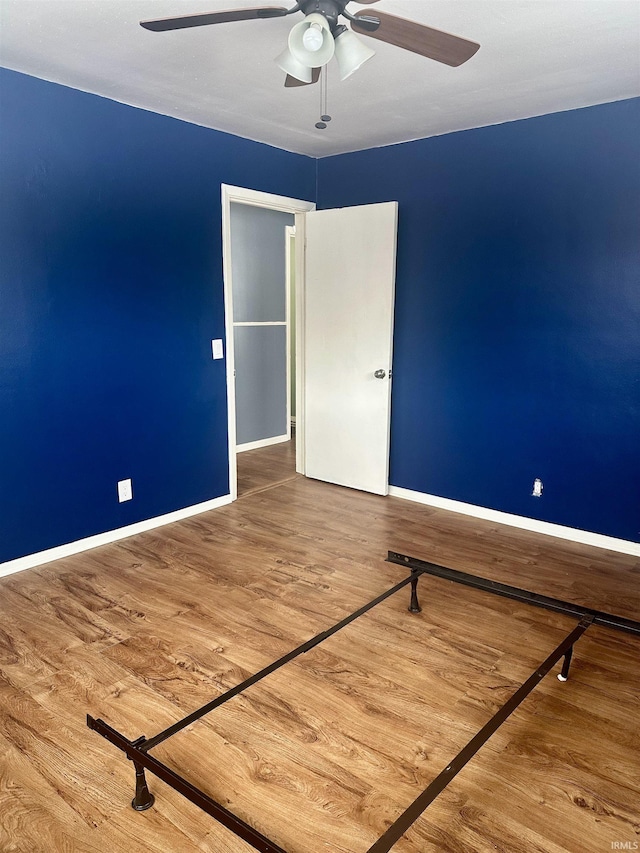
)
(314, 41)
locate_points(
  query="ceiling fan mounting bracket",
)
(330, 9)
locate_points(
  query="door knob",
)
(380, 374)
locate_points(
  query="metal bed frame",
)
(138, 751)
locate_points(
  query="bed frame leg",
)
(143, 799)
(566, 663)
(414, 606)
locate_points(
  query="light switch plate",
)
(216, 348)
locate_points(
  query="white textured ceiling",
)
(536, 57)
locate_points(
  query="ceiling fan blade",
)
(163, 24)
(292, 82)
(434, 44)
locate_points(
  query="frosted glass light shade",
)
(350, 53)
(312, 58)
(289, 64)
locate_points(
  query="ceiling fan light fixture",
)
(311, 42)
(290, 65)
(350, 53)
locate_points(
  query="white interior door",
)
(350, 260)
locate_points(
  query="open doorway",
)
(264, 303)
(261, 326)
(273, 462)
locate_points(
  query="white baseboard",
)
(71, 548)
(584, 537)
(263, 442)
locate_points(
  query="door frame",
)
(289, 236)
(298, 207)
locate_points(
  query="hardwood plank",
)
(34, 817)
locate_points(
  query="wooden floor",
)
(266, 468)
(325, 753)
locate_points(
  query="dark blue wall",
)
(110, 293)
(517, 345)
(517, 337)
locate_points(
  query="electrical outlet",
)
(125, 492)
(537, 488)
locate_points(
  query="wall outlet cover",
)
(125, 491)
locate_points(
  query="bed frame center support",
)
(143, 799)
(566, 663)
(414, 606)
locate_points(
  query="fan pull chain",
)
(324, 110)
